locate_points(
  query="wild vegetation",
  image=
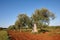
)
(35, 27)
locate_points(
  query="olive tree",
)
(22, 21)
(41, 16)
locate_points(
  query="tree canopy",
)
(40, 17)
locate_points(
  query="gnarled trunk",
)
(35, 28)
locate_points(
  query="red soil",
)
(16, 35)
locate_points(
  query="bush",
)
(43, 30)
(3, 35)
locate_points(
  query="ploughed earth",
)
(16, 35)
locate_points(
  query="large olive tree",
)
(41, 16)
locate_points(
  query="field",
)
(16, 35)
(26, 34)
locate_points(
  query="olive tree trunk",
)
(35, 28)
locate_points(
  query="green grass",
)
(3, 35)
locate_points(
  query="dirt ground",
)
(16, 35)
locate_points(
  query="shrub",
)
(3, 35)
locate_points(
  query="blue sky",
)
(9, 10)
